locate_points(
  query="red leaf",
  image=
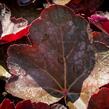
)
(59, 59)
(11, 28)
(13, 37)
(40, 105)
(26, 104)
(106, 85)
(100, 100)
(84, 6)
(7, 104)
(101, 21)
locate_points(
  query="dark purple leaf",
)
(58, 61)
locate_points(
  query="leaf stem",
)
(64, 60)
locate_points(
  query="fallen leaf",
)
(27, 104)
(60, 58)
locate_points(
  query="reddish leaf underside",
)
(58, 61)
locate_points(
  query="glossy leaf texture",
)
(27, 104)
(60, 58)
(11, 29)
(100, 100)
(101, 21)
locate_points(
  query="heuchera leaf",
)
(26, 104)
(58, 61)
(11, 29)
(100, 100)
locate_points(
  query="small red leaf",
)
(101, 21)
(24, 105)
(7, 104)
(100, 100)
(13, 37)
(28, 105)
(11, 29)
